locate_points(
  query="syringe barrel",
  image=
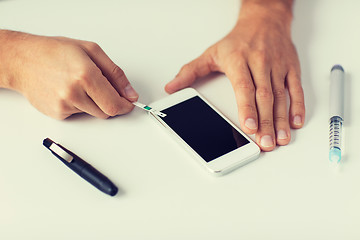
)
(337, 92)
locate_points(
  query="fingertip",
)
(178, 83)
(169, 88)
(266, 143)
(189, 73)
(132, 99)
(250, 126)
(297, 102)
(120, 107)
(283, 137)
(130, 93)
(297, 121)
(267, 149)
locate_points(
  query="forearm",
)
(281, 5)
(6, 44)
(276, 10)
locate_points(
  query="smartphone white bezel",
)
(222, 164)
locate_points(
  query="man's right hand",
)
(62, 76)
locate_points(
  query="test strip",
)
(149, 109)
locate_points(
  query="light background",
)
(290, 193)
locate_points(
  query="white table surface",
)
(289, 193)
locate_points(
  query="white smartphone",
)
(211, 138)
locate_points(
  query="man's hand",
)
(261, 62)
(62, 76)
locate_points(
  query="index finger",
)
(104, 95)
(110, 70)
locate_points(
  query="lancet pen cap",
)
(47, 142)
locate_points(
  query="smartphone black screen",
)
(203, 129)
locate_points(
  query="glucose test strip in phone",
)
(149, 109)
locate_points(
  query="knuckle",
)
(117, 72)
(244, 85)
(234, 55)
(69, 94)
(279, 93)
(116, 109)
(298, 105)
(247, 107)
(278, 58)
(189, 69)
(235, 58)
(186, 68)
(266, 123)
(86, 75)
(264, 93)
(60, 109)
(112, 110)
(82, 74)
(261, 57)
(298, 91)
(92, 46)
(280, 119)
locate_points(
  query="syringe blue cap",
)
(337, 67)
(335, 155)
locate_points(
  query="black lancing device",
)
(82, 168)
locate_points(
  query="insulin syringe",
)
(336, 112)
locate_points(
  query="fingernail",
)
(281, 135)
(130, 92)
(297, 120)
(250, 124)
(266, 141)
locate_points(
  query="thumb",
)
(190, 72)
